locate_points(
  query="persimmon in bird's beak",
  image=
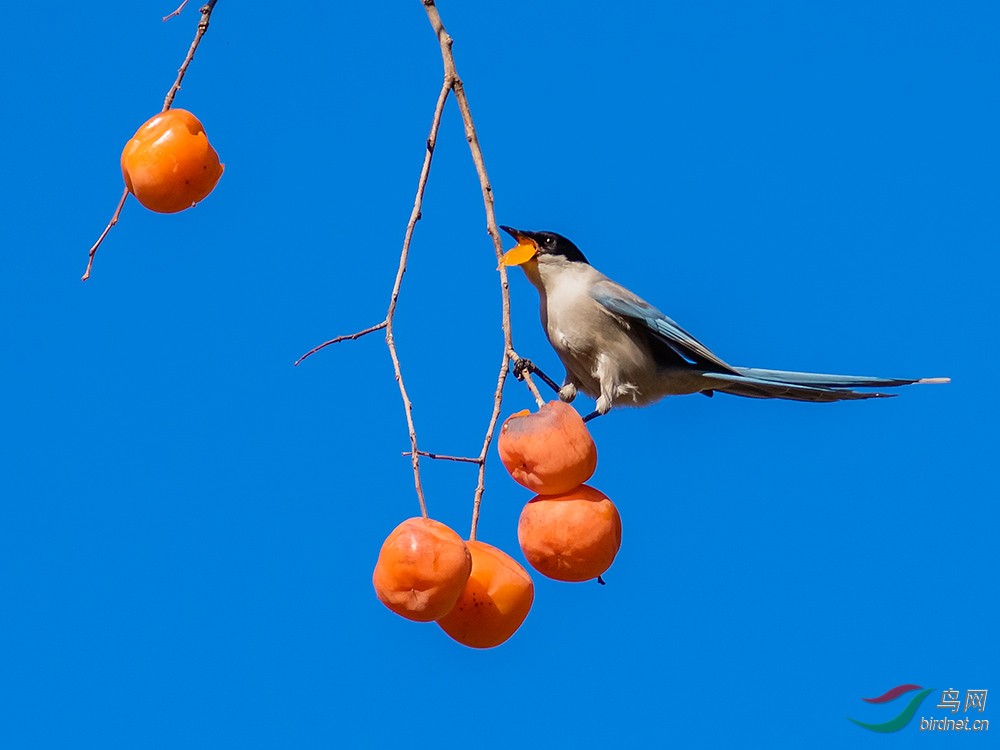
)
(525, 250)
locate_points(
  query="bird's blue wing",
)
(619, 301)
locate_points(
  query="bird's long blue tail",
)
(753, 382)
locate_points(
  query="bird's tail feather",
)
(806, 386)
(832, 381)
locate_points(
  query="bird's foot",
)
(522, 366)
(603, 407)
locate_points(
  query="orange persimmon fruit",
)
(550, 451)
(168, 164)
(421, 570)
(573, 536)
(494, 602)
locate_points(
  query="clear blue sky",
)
(188, 524)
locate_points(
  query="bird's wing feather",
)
(620, 301)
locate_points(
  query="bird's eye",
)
(550, 242)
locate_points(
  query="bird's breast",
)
(570, 319)
(573, 321)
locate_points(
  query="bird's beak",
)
(525, 250)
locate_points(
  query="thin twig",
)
(206, 13)
(338, 339)
(451, 83)
(442, 457)
(509, 355)
(390, 339)
(93, 249)
(176, 12)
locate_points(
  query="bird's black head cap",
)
(549, 243)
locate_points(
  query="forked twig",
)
(509, 355)
(390, 339)
(452, 83)
(387, 323)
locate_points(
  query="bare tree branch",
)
(387, 323)
(93, 248)
(451, 83)
(338, 339)
(176, 12)
(509, 355)
(390, 339)
(206, 14)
